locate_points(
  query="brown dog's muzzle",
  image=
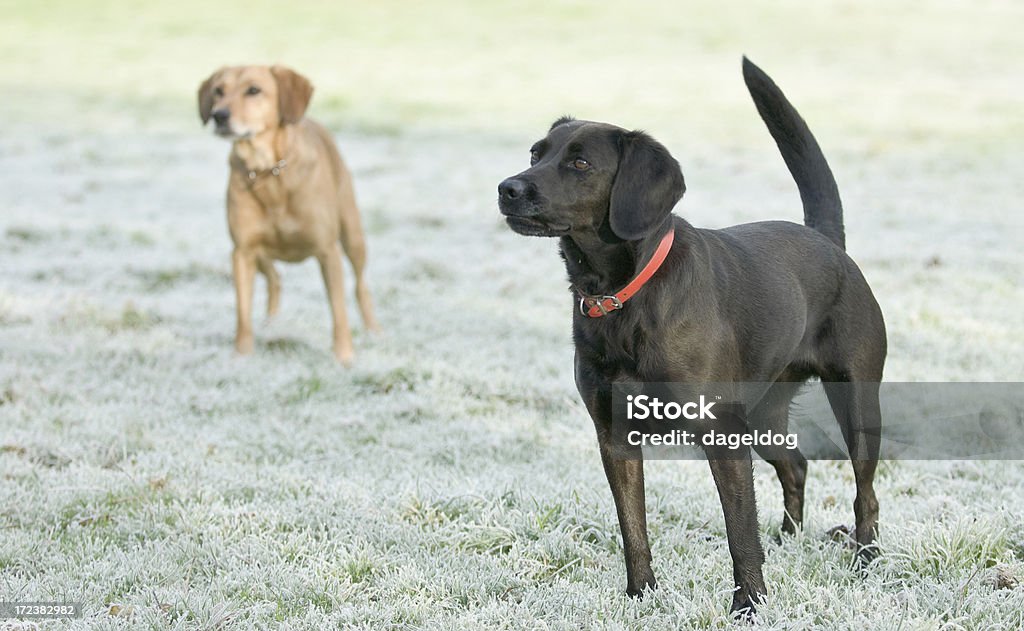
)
(221, 120)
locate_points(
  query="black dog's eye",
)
(252, 91)
(218, 91)
(580, 164)
(534, 157)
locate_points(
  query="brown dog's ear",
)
(647, 186)
(293, 94)
(206, 97)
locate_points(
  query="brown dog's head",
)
(588, 177)
(244, 101)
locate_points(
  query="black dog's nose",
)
(221, 116)
(511, 188)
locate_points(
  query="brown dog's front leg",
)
(330, 267)
(266, 267)
(243, 267)
(734, 476)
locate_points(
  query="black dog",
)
(771, 302)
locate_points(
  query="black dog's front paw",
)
(865, 556)
(744, 604)
(638, 589)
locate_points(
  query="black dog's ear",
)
(647, 186)
(206, 97)
(293, 94)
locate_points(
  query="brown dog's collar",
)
(255, 174)
(597, 306)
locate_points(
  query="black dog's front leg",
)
(626, 478)
(734, 476)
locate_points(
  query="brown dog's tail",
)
(823, 210)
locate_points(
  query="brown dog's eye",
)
(218, 91)
(534, 157)
(252, 91)
(580, 164)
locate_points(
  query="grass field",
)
(450, 479)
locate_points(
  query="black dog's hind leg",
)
(734, 476)
(772, 413)
(792, 472)
(856, 408)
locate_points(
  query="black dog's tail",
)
(823, 209)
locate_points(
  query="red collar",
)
(597, 306)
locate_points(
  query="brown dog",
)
(290, 195)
